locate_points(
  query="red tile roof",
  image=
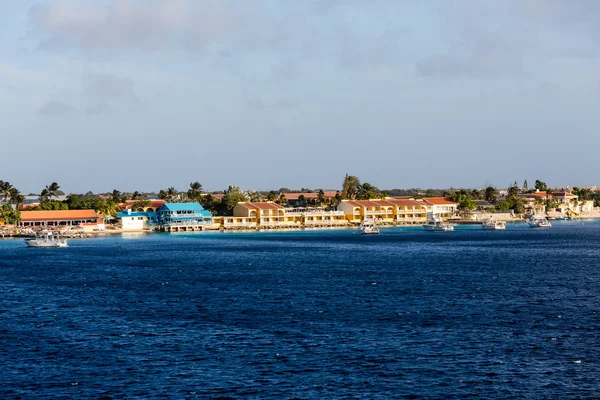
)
(438, 201)
(262, 206)
(62, 215)
(153, 203)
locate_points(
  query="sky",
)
(147, 94)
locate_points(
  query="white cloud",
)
(57, 108)
(127, 24)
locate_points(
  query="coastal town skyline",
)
(269, 94)
(131, 188)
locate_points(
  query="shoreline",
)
(15, 233)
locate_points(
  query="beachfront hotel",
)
(170, 217)
(389, 210)
(268, 214)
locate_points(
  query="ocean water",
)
(305, 314)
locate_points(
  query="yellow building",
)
(272, 215)
(384, 210)
(267, 214)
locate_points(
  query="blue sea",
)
(305, 314)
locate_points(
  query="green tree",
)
(350, 186)
(490, 194)
(16, 197)
(253, 196)
(282, 200)
(210, 203)
(541, 186)
(301, 201)
(272, 196)
(53, 190)
(162, 194)
(231, 197)
(367, 191)
(466, 204)
(195, 191)
(5, 189)
(10, 216)
(77, 202)
(321, 197)
(118, 197)
(525, 186)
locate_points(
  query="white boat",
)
(368, 227)
(436, 224)
(539, 221)
(47, 241)
(492, 224)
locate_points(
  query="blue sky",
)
(146, 94)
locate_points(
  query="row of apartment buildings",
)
(159, 215)
(258, 215)
(246, 215)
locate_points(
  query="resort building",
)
(137, 220)
(566, 202)
(273, 215)
(49, 219)
(387, 210)
(315, 217)
(263, 214)
(440, 206)
(170, 217)
(183, 216)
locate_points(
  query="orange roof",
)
(153, 203)
(438, 201)
(262, 206)
(59, 215)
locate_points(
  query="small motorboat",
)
(48, 240)
(493, 224)
(539, 221)
(436, 224)
(368, 227)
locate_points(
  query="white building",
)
(136, 221)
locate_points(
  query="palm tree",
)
(350, 186)
(321, 197)
(5, 188)
(16, 197)
(53, 189)
(171, 193)
(195, 191)
(44, 195)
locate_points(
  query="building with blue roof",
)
(171, 217)
(183, 216)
